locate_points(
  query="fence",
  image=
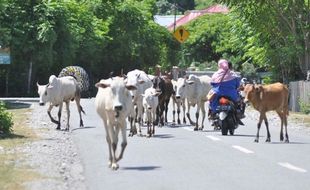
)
(299, 91)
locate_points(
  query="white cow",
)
(114, 104)
(141, 81)
(195, 90)
(150, 103)
(178, 101)
(57, 91)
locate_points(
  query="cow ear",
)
(102, 85)
(259, 90)
(157, 93)
(190, 82)
(131, 87)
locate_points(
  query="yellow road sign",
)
(181, 34)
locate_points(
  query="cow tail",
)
(286, 109)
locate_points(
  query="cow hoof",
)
(256, 140)
(114, 166)
(58, 128)
(287, 141)
(196, 129)
(268, 140)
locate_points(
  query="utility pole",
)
(175, 15)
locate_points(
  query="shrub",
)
(6, 121)
(304, 107)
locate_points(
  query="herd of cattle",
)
(143, 98)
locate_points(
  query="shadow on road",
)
(288, 143)
(86, 127)
(164, 136)
(239, 135)
(141, 168)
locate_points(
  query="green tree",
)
(284, 25)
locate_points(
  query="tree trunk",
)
(29, 77)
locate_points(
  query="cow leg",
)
(59, 116)
(178, 112)
(80, 109)
(124, 141)
(166, 109)
(139, 115)
(153, 115)
(285, 124)
(113, 139)
(133, 129)
(173, 110)
(280, 113)
(197, 117)
(203, 110)
(68, 115)
(161, 114)
(267, 128)
(258, 127)
(188, 115)
(183, 106)
(49, 114)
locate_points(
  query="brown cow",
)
(264, 98)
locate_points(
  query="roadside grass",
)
(297, 117)
(13, 172)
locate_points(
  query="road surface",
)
(178, 158)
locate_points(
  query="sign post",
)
(5, 59)
(5, 56)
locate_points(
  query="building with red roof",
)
(197, 13)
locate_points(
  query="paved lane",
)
(179, 158)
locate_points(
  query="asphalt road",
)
(178, 158)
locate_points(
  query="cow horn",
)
(111, 74)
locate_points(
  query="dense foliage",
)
(101, 36)
(6, 120)
(283, 27)
(45, 36)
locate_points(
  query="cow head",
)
(252, 92)
(119, 89)
(158, 84)
(43, 95)
(150, 98)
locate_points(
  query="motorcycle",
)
(226, 114)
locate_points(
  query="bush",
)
(6, 121)
(304, 107)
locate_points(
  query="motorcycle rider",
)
(224, 82)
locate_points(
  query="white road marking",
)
(292, 167)
(213, 138)
(247, 151)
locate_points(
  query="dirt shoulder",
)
(49, 155)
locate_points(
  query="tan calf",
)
(264, 98)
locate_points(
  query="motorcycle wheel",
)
(225, 126)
